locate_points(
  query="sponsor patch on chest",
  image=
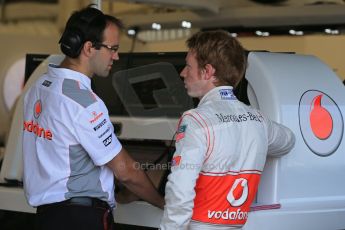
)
(181, 132)
(176, 161)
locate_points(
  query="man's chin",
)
(104, 74)
(192, 94)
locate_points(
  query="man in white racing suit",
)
(221, 146)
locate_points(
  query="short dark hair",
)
(223, 52)
(87, 24)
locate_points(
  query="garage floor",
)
(20, 221)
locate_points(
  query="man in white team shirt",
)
(70, 151)
(221, 145)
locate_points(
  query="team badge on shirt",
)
(37, 109)
(46, 83)
(227, 94)
(96, 116)
(107, 140)
(176, 161)
(181, 132)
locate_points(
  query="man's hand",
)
(125, 196)
(134, 179)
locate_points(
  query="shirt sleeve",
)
(280, 139)
(95, 132)
(186, 165)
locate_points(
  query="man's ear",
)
(209, 71)
(87, 48)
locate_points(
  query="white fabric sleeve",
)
(186, 165)
(280, 139)
(95, 132)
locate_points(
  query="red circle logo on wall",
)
(321, 122)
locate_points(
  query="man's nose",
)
(115, 56)
(183, 74)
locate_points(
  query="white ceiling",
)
(242, 13)
(202, 13)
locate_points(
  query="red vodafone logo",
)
(320, 119)
(238, 193)
(37, 109)
(321, 122)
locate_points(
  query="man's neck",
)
(73, 64)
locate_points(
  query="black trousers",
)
(71, 216)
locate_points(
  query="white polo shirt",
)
(67, 140)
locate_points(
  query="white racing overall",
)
(221, 149)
